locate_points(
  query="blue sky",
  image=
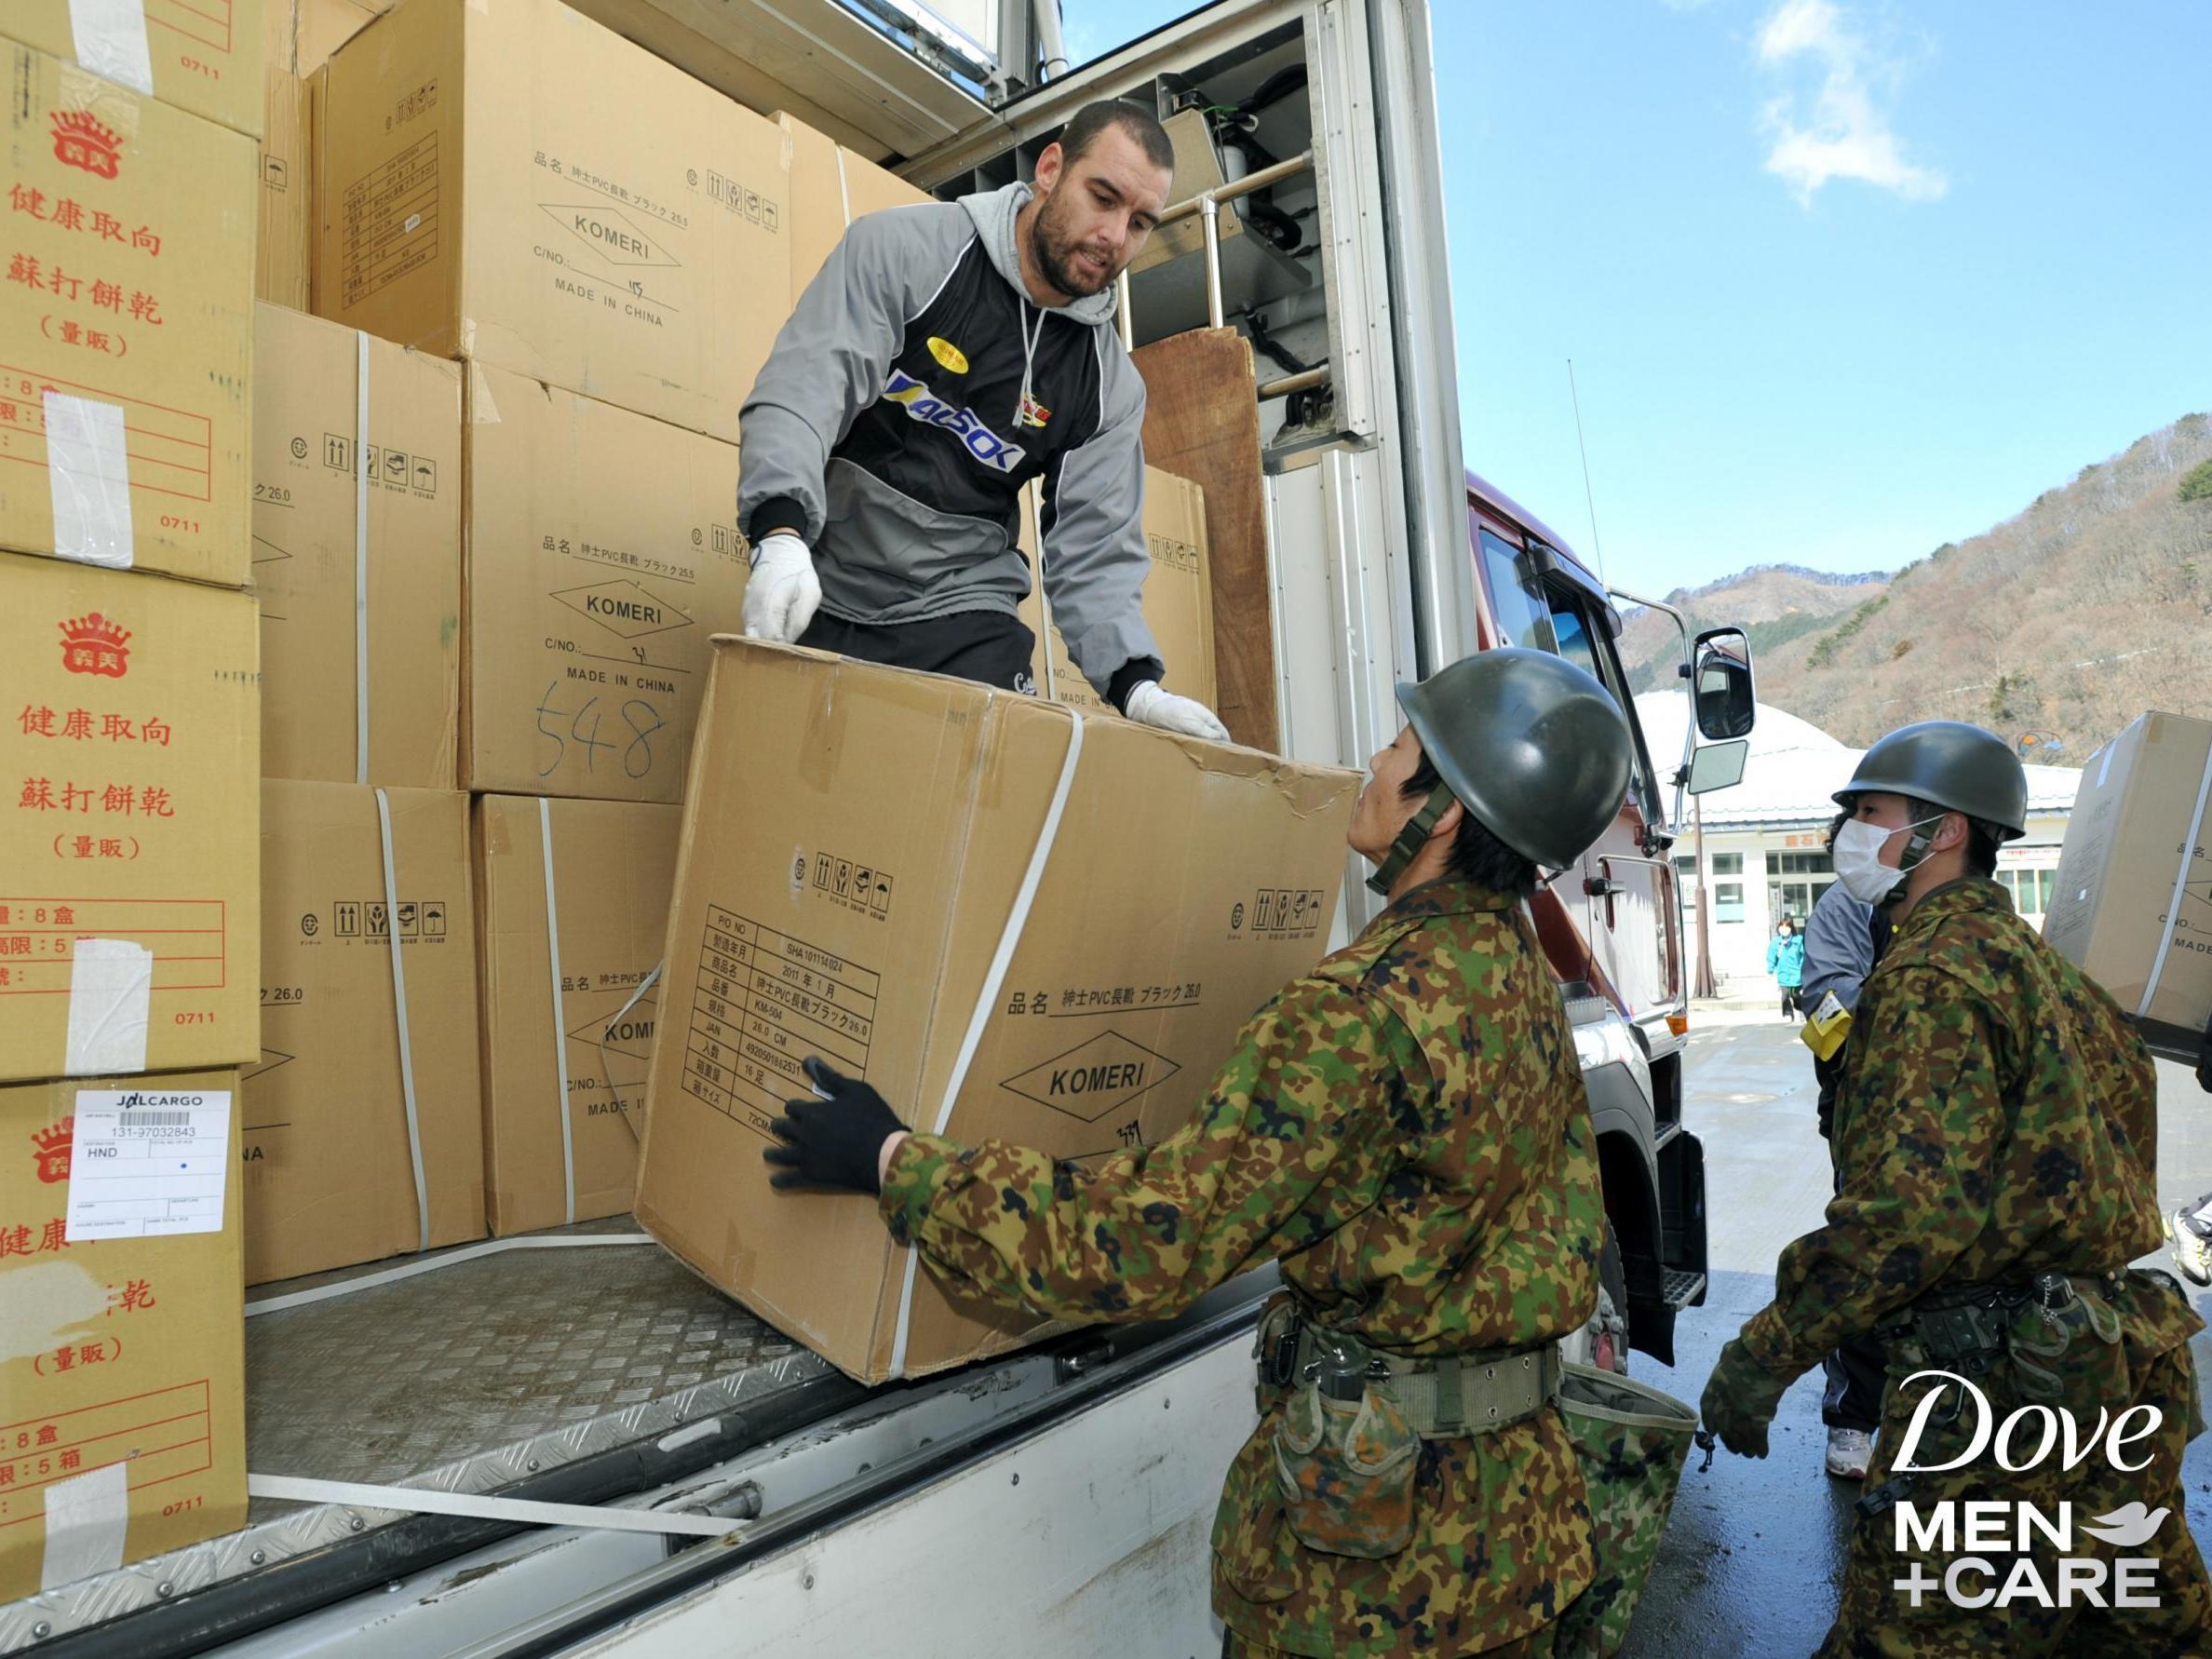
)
(1842, 281)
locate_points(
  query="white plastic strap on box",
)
(392, 1275)
(2173, 917)
(300, 1489)
(109, 38)
(360, 558)
(568, 1138)
(89, 481)
(845, 192)
(407, 1083)
(986, 1002)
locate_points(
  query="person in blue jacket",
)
(1785, 961)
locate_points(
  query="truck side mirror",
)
(1717, 766)
(1721, 685)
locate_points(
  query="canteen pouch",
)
(1346, 1471)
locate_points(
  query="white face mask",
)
(1858, 859)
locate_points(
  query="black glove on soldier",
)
(835, 1142)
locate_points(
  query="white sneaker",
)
(1850, 1453)
(2192, 1254)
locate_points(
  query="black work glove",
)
(833, 1142)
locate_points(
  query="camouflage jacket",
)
(1997, 1118)
(1405, 1130)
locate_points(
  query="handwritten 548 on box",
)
(125, 327)
(128, 909)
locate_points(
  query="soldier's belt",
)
(1443, 1397)
(1964, 1325)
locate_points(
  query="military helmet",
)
(1947, 764)
(1534, 747)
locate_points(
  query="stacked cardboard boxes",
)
(129, 933)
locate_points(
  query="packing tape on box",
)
(87, 1519)
(568, 1139)
(392, 1275)
(89, 481)
(109, 38)
(406, 1081)
(111, 1005)
(2173, 915)
(360, 558)
(527, 1512)
(988, 1002)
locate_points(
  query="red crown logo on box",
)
(82, 139)
(91, 644)
(50, 1148)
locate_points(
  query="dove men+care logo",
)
(2007, 1554)
(979, 441)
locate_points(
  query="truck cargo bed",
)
(560, 1372)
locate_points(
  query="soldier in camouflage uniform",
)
(1405, 1130)
(1997, 1130)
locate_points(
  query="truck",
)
(564, 1443)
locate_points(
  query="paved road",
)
(1751, 1558)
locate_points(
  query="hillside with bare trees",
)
(2060, 624)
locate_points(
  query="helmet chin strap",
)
(1409, 842)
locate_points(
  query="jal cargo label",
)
(148, 1162)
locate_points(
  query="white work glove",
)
(1152, 707)
(783, 592)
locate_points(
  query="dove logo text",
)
(2024, 1438)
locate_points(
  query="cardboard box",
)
(2134, 905)
(1187, 883)
(128, 922)
(516, 185)
(830, 187)
(614, 868)
(320, 692)
(284, 241)
(602, 551)
(1178, 597)
(123, 1353)
(125, 329)
(203, 56)
(329, 1168)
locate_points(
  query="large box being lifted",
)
(331, 1152)
(515, 184)
(852, 884)
(129, 929)
(2134, 905)
(123, 1369)
(125, 326)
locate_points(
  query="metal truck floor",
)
(560, 1374)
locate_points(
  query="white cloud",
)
(1839, 129)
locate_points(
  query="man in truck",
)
(1405, 1130)
(946, 354)
(1997, 1131)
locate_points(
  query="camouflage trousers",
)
(1875, 1617)
(1538, 1646)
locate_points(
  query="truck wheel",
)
(1609, 1326)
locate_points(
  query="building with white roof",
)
(1765, 840)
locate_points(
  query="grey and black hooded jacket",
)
(886, 429)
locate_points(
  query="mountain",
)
(2061, 623)
(1773, 603)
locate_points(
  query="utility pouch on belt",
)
(1345, 1467)
(2065, 1342)
(1630, 1440)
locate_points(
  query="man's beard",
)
(1056, 258)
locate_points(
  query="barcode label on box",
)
(146, 1163)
